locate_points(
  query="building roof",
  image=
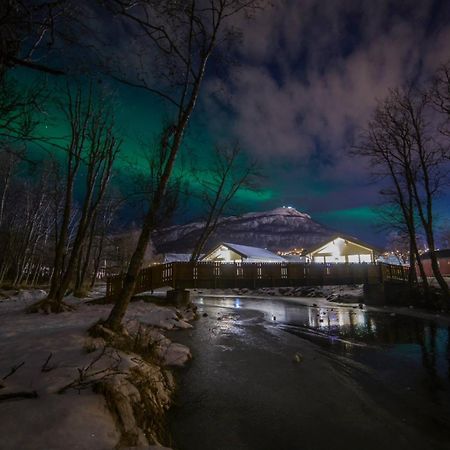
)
(176, 257)
(345, 237)
(294, 258)
(444, 253)
(252, 253)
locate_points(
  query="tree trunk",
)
(97, 260)
(85, 265)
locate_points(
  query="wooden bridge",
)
(212, 275)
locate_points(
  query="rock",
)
(205, 315)
(176, 355)
(298, 358)
(361, 305)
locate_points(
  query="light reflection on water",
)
(406, 340)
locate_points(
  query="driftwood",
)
(19, 394)
(46, 367)
(13, 370)
(88, 376)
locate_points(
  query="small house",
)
(342, 249)
(227, 252)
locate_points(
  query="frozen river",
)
(306, 374)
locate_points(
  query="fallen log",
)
(19, 394)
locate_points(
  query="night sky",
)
(309, 74)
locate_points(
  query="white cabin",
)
(228, 252)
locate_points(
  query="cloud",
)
(310, 76)
(312, 72)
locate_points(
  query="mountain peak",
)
(289, 211)
(280, 211)
(277, 230)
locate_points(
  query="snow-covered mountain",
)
(279, 229)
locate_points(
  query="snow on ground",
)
(40, 355)
(158, 316)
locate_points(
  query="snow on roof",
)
(176, 257)
(255, 253)
(341, 236)
(294, 258)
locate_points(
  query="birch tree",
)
(228, 173)
(91, 152)
(183, 37)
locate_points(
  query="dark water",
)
(365, 379)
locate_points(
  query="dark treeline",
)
(47, 225)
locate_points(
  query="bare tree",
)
(18, 107)
(439, 96)
(9, 162)
(228, 173)
(104, 221)
(30, 30)
(445, 234)
(93, 249)
(400, 142)
(32, 229)
(25, 226)
(387, 144)
(429, 173)
(184, 36)
(93, 148)
(398, 244)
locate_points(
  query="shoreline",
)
(409, 311)
(127, 387)
(60, 388)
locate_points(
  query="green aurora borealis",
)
(138, 119)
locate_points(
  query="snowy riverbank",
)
(59, 388)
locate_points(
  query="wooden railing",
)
(210, 275)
